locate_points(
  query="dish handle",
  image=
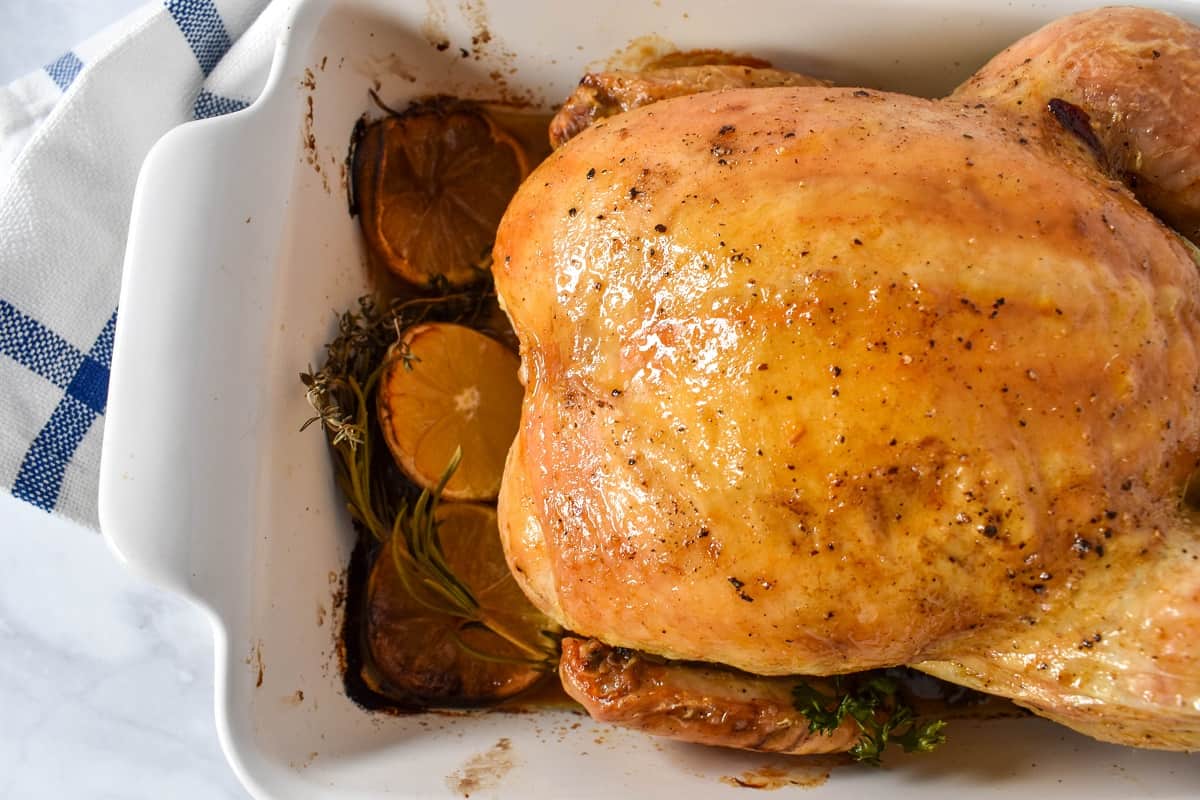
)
(182, 425)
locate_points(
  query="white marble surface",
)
(106, 683)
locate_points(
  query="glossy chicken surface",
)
(820, 380)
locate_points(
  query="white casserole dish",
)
(240, 251)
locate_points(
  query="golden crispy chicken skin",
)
(821, 380)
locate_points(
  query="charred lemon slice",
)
(425, 657)
(443, 387)
(431, 186)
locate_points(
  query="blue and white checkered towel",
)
(72, 138)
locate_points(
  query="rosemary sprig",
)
(881, 715)
(381, 500)
(417, 554)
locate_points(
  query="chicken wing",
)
(603, 94)
(693, 703)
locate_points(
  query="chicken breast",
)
(823, 380)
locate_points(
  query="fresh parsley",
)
(874, 705)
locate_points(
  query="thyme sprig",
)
(341, 391)
(881, 715)
(379, 499)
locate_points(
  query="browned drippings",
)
(483, 770)
(255, 662)
(527, 126)
(546, 695)
(639, 53)
(807, 772)
(308, 136)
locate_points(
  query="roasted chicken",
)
(820, 380)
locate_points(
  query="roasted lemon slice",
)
(443, 387)
(431, 186)
(425, 657)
